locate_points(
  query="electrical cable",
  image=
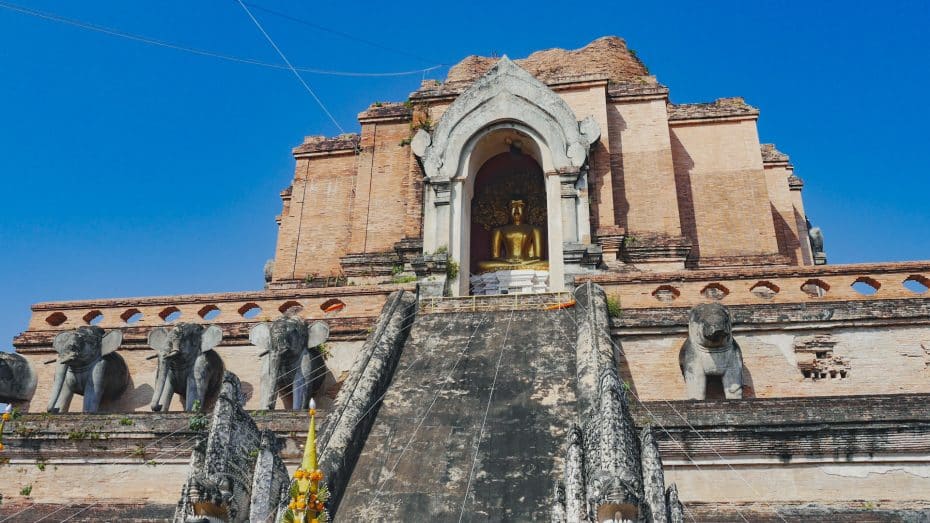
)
(193, 50)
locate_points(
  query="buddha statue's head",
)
(516, 211)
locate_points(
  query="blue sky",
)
(133, 170)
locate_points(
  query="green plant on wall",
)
(613, 306)
(25, 491)
(452, 269)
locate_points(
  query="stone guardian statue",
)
(292, 364)
(17, 378)
(711, 351)
(88, 366)
(187, 365)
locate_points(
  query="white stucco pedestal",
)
(509, 282)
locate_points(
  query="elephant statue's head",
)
(17, 378)
(178, 348)
(182, 343)
(283, 342)
(83, 346)
(710, 326)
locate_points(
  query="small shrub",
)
(325, 351)
(253, 453)
(125, 421)
(452, 269)
(613, 307)
(198, 421)
(25, 491)
(138, 452)
(397, 269)
(403, 279)
(40, 464)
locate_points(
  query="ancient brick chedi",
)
(536, 290)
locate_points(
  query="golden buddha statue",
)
(517, 246)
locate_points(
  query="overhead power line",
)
(193, 50)
(291, 67)
(338, 33)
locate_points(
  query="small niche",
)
(866, 286)
(131, 316)
(209, 312)
(56, 318)
(170, 314)
(93, 317)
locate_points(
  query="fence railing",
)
(497, 302)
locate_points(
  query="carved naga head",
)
(85, 345)
(710, 325)
(211, 501)
(185, 341)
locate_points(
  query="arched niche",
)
(507, 101)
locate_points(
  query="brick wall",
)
(645, 201)
(314, 231)
(725, 203)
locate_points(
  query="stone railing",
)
(768, 285)
(349, 310)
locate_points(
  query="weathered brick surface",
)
(608, 56)
(645, 202)
(315, 232)
(784, 452)
(722, 193)
(720, 108)
(886, 344)
(636, 290)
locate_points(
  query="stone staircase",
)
(501, 381)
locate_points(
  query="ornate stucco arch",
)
(507, 97)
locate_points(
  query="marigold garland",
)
(7, 416)
(308, 494)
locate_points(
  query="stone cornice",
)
(722, 109)
(321, 146)
(631, 92)
(386, 112)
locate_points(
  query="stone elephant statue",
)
(711, 351)
(17, 378)
(187, 365)
(291, 361)
(89, 366)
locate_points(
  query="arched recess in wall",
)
(506, 100)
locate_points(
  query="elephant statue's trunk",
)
(160, 380)
(270, 368)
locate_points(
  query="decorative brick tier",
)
(229, 310)
(763, 285)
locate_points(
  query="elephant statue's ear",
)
(260, 336)
(111, 341)
(319, 332)
(158, 339)
(211, 337)
(62, 341)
